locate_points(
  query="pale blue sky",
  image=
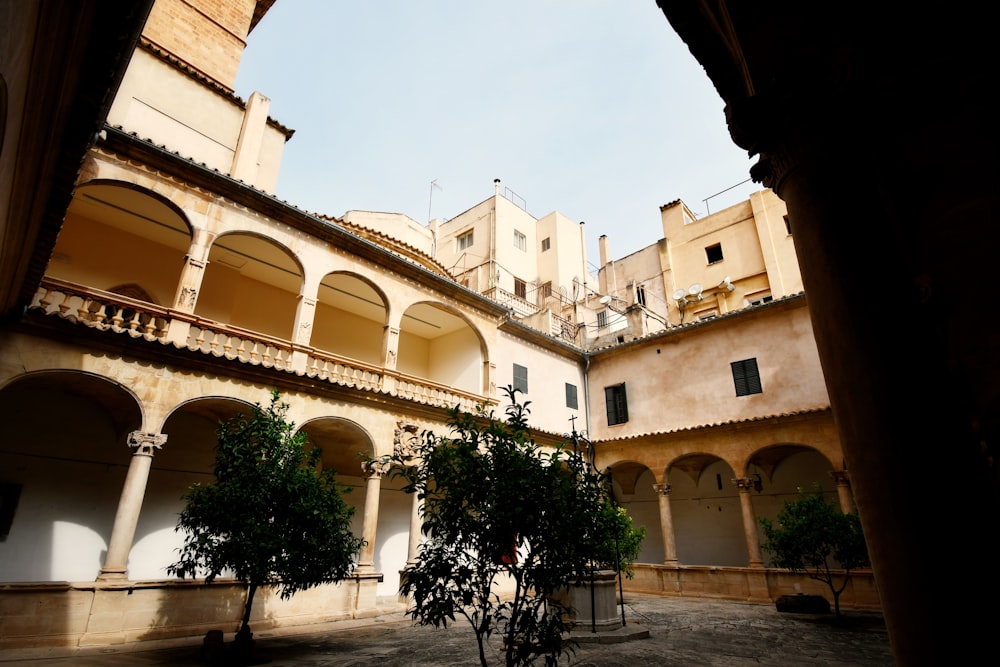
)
(593, 108)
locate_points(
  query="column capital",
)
(841, 477)
(743, 483)
(662, 489)
(145, 443)
(376, 468)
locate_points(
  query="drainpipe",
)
(586, 391)
(494, 276)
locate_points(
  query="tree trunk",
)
(243, 644)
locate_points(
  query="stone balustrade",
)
(119, 314)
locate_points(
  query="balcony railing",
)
(106, 311)
(519, 305)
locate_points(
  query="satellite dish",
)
(695, 289)
(605, 300)
(679, 294)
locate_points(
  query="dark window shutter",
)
(571, 401)
(746, 377)
(616, 403)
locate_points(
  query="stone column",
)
(666, 524)
(843, 490)
(390, 346)
(490, 370)
(413, 548)
(404, 446)
(192, 275)
(744, 485)
(305, 315)
(373, 487)
(127, 515)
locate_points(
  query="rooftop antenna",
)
(430, 200)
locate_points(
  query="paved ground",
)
(682, 632)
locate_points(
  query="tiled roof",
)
(730, 422)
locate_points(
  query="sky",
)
(593, 108)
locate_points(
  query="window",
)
(788, 226)
(714, 253)
(602, 319)
(465, 240)
(520, 288)
(614, 398)
(546, 244)
(520, 240)
(746, 377)
(571, 401)
(547, 290)
(520, 378)
(760, 300)
(640, 295)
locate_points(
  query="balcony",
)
(152, 324)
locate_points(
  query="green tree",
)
(272, 517)
(814, 536)
(618, 540)
(499, 508)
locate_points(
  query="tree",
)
(272, 517)
(499, 508)
(814, 536)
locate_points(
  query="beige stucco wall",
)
(682, 378)
(548, 374)
(158, 102)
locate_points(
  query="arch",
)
(143, 237)
(251, 281)
(783, 469)
(773, 462)
(65, 448)
(441, 344)
(186, 458)
(119, 401)
(633, 490)
(351, 314)
(345, 443)
(707, 517)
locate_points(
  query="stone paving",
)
(683, 632)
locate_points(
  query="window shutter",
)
(521, 378)
(616, 403)
(746, 377)
(571, 401)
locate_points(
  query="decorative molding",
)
(402, 441)
(146, 443)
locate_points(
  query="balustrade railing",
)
(519, 305)
(107, 311)
(101, 310)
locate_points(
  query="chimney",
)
(496, 187)
(605, 249)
